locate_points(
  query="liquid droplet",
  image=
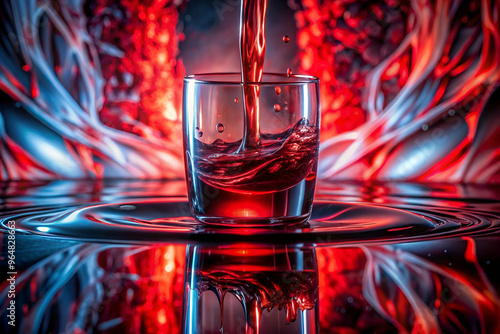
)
(277, 89)
(220, 128)
(288, 72)
(286, 39)
(235, 100)
(277, 107)
(311, 176)
(200, 134)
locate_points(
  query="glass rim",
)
(299, 79)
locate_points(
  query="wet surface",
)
(168, 220)
(118, 257)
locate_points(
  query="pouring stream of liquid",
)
(253, 53)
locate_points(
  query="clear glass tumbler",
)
(256, 167)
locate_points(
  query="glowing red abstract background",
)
(92, 89)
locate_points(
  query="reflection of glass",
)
(250, 289)
(251, 170)
(409, 288)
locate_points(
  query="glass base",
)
(253, 222)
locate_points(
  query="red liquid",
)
(275, 181)
(290, 291)
(253, 53)
(261, 278)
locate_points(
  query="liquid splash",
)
(293, 153)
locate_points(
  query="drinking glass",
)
(251, 166)
(251, 289)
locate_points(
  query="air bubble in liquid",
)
(220, 128)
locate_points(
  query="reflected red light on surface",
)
(342, 304)
(149, 289)
(470, 252)
(390, 290)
